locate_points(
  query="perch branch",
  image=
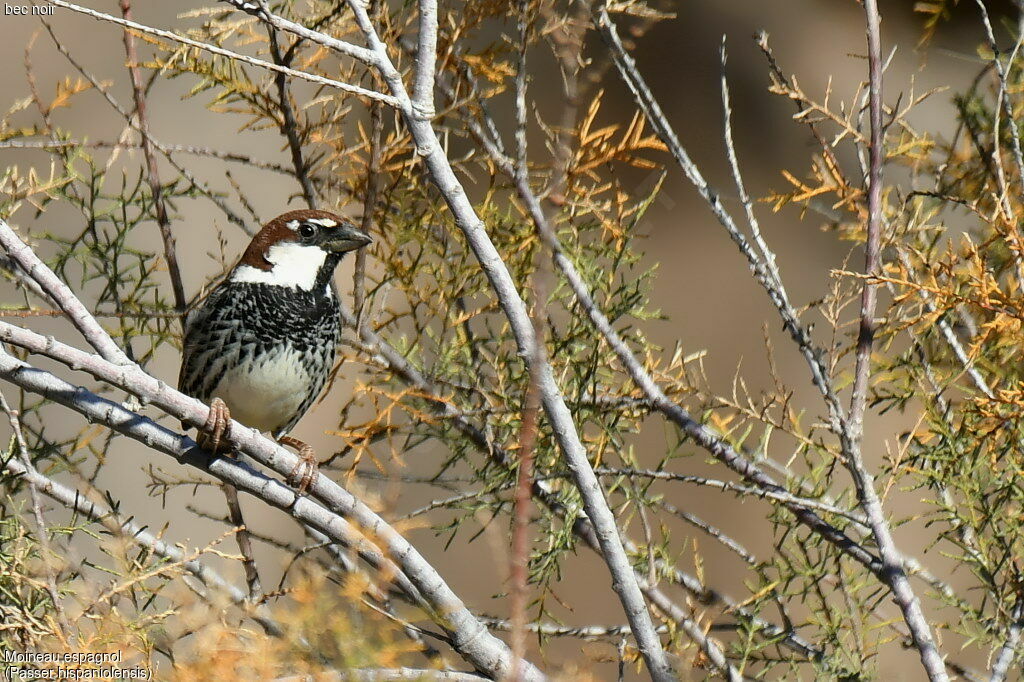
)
(470, 637)
(443, 176)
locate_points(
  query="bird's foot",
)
(307, 469)
(212, 436)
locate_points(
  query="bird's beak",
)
(345, 238)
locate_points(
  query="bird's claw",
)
(217, 427)
(307, 468)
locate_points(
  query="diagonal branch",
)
(1009, 651)
(169, 35)
(289, 124)
(889, 569)
(260, 10)
(29, 263)
(894, 574)
(152, 173)
(624, 580)
(469, 636)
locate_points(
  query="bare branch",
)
(290, 126)
(468, 635)
(893, 573)
(169, 35)
(444, 178)
(152, 173)
(426, 59)
(1008, 652)
(520, 552)
(259, 9)
(61, 295)
(244, 540)
(767, 255)
(1004, 97)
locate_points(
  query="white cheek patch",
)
(323, 222)
(294, 265)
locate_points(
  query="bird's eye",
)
(306, 230)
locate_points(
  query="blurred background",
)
(703, 285)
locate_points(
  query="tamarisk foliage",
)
(498, 375)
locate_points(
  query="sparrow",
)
(261, 345)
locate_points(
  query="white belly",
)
(265, 392)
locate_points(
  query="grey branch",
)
(426, 60)
(470, 637)
(624, 580)
(313, 78)
(260, 10)
(894, 574)
(61, 295)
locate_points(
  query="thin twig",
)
(767, 254)
(729, 486)
(1004, 89)
(893, 573)
(520, 552)
(152, 172)
(244, 540)
(260, 10)
(1005, 108)
(373, 177)
(289, 124)
(237, 56)
(42, 529)
(235, 157)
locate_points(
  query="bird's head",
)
(299, 249)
